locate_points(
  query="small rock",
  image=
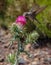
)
(21, 61)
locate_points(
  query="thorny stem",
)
(17, 55)
(18, 52)
(16, 62)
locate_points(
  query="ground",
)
(40, 56)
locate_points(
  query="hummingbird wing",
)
(34, 8)
(32, 16)
(39, 10)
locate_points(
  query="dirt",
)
(40, 56)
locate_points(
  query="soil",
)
(39, 56)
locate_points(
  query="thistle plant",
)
(19, 34)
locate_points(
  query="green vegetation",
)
(11, 58)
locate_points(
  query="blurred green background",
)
(10, 9)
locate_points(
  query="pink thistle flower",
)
(21, 21)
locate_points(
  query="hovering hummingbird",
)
(33, 12)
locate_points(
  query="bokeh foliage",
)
(10, 9)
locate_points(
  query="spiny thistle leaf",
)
(32, 37)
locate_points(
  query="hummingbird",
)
(34, 11)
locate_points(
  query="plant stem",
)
(17, 55)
